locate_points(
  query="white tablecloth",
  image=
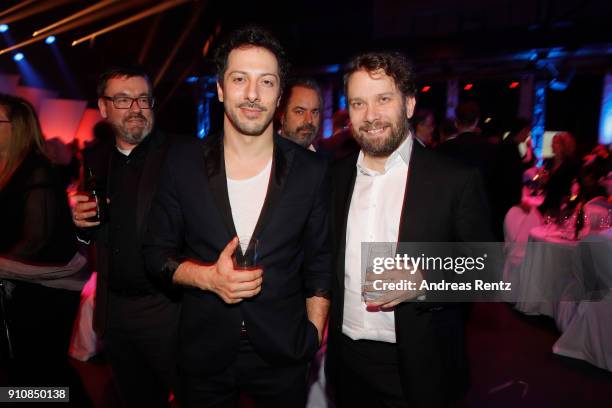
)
(548, 274)
(517, 225)
(589, 334)
(588, 337)
(564, 271)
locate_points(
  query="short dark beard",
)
(399, 132)
(295, 136)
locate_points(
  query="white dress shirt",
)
(374, 216)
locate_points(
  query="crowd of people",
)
(180, 321)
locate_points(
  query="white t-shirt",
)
(246, 199)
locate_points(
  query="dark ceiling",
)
(442, 36)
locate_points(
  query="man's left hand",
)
(388, 298)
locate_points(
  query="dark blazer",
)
(500, 184)
(100, 160)
(191, 219)
(444, 202)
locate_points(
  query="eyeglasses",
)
(125, 102)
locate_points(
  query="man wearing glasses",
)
(137, 319)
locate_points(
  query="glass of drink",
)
(376, 251)
(246, 254)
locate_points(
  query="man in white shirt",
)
(300, 112)
(392, 352)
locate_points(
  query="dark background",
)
(489, 43)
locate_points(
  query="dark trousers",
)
(269, 385)
(369, 375)
(141, 345)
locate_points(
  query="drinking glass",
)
(246, 254)
(375, 250)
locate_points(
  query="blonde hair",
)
(25, 134)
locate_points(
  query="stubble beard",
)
(245, 127)
(133, 135)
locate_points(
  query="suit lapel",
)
(416, 183)
(148, 181)
(217, 180)
(281, 163)
(345, 185)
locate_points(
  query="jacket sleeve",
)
(164, 239)
(317, 251)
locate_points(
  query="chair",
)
(589, 334)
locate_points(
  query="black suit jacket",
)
(191, 219)
(444, 202)
(100, 160)
(500, 184)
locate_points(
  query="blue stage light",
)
(50, 39)
(191, 79)
(18, 56)
(3, 28)
(332, 69)
(605, 121)
(342, 102)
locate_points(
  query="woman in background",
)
(40, 281)
(563, 169)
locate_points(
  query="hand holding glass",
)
(246, 254)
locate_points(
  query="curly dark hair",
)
(394, 64)
(250, 36)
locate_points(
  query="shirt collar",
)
(399, 156)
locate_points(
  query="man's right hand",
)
(231, 285)
(82, 209)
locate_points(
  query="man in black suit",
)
(136, 318)
(245, 330)
(395, 353)
(472, 148)
(300, 112)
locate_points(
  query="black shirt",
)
(127, 272)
